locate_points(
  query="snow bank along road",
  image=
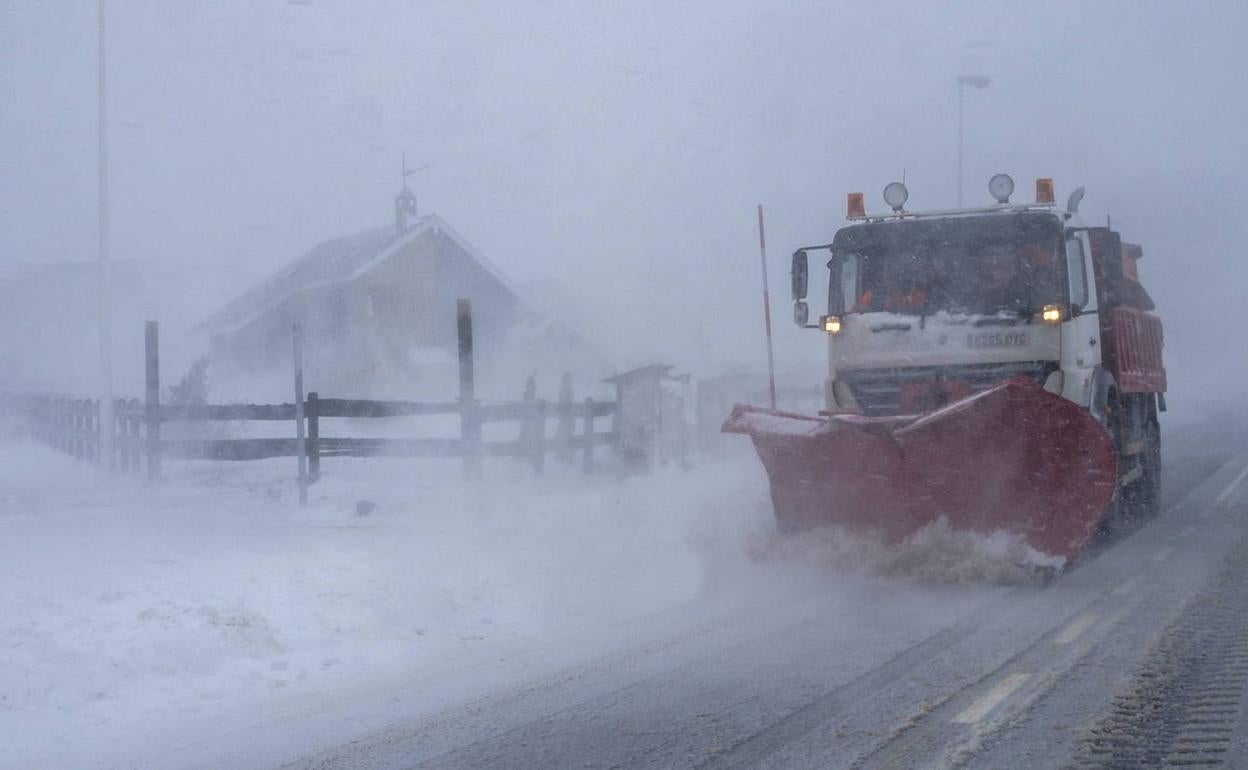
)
(568, 622)
(1102, 668)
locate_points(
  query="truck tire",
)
(1149, 495)
(1121, 509)
(1142, 497)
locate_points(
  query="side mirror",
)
(799, 274)
(801, 313)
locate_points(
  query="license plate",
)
(997, 340)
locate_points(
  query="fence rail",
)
(140, 443)
(73, 425)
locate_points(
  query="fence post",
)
(565, 427)
(587, 462)
(313, 414)
(67, 427)
(151, 408)
(135, 437)
(95, 417)
(84, 429)
(76, 432)
(88, 430)
(537, 435)
(302, 449)
(122, 460)
(469, 414)
(524, 437)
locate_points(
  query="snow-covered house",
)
(377, 309)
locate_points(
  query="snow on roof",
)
(659, 370)
(338, 260)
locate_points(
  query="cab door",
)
(1081, 331)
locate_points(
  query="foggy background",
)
(609, 156)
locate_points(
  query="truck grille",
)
(878, 391)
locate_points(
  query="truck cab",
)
(928, 307)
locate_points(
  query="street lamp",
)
(975, 81)
(105, 383)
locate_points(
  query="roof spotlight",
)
(895, 195)
(1002, 187)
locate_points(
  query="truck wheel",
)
(1122, 506)
(1143, 497)
(1150, 484)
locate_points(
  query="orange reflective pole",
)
(771, 362)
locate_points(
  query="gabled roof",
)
(338, 260)
(658, 371)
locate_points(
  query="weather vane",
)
(409, 171)
(405, 202)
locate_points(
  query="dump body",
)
(1131, 335)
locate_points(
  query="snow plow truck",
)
(996, 366)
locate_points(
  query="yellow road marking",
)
(1075, 628)
(984, 705)
(1127, 585)
(1230, 488)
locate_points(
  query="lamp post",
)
(975, 81)
(105, 279)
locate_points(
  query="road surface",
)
(1138, 656)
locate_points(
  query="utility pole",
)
(975, 81)
(105, 272)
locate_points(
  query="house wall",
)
(397, 299)
(391, 331)
(494, 308)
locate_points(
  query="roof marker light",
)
(895, 195)
(857, 207)
(1001, 186)
(1044, 190)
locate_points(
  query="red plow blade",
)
(1015, 458)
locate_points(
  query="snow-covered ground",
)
(131, 613)
(167, 624)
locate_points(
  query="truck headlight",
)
(1052, 314)
(831, 324)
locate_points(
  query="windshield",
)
(970, 265)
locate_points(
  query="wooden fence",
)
(74, 426)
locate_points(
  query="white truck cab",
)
(928, 307)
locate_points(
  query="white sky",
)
(616, 150)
